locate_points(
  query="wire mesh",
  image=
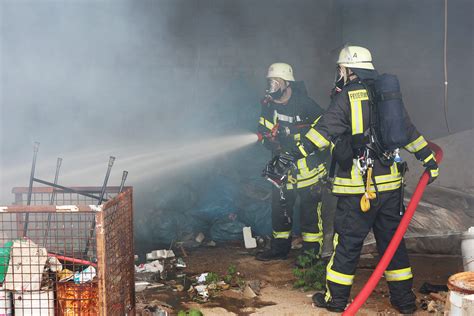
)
(58, 267)
(116, 255)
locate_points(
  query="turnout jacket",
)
(297, 115)
(348, 116)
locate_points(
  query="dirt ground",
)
(277, 296)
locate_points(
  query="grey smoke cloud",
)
(89, 79)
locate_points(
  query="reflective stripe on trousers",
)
(398, 275)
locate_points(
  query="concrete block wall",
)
(407, 39)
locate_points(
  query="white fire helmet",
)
(280, 70)
(355, 57)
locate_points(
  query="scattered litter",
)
(85, 276)
(160, 312)
(255, 285)
(249, 241)
(432, 306)
(155, 286)
(441, 296)
(212, 286)
(202, 277)
(154, 308)
(200, 237)
(202, 291)
(159, 254)
(65, 275)
(54, 265)
(181, 247)
(141, 286)
(223, 286)
(180, 263)
(211, 243)
(180, 288)
(148, 276)
(154, 266)
(248, 292)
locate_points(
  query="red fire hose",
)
(397, 238)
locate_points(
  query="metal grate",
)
(49, 271)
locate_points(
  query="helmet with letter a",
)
(355, 57)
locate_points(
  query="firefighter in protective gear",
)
(287, 113)
(347, 119)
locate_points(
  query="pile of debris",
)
(164, 273)
(434, 299)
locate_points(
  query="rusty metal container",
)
(77, 299)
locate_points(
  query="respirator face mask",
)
(274, 89)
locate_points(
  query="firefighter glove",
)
(432, 168)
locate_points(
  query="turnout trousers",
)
(310, 218)
(351, 226)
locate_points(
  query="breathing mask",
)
(274, 89)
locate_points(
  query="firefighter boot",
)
(406, 309)
(319, 300)
(279, 251)
(402, 297)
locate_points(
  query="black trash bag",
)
(218, 200)
(428, 288)
(258, 216)
(163, 227)
(255, 205)
(227, 228)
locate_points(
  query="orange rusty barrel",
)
(77, 299)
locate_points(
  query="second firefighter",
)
(287, 113)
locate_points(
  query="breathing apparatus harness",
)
(374, 149)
